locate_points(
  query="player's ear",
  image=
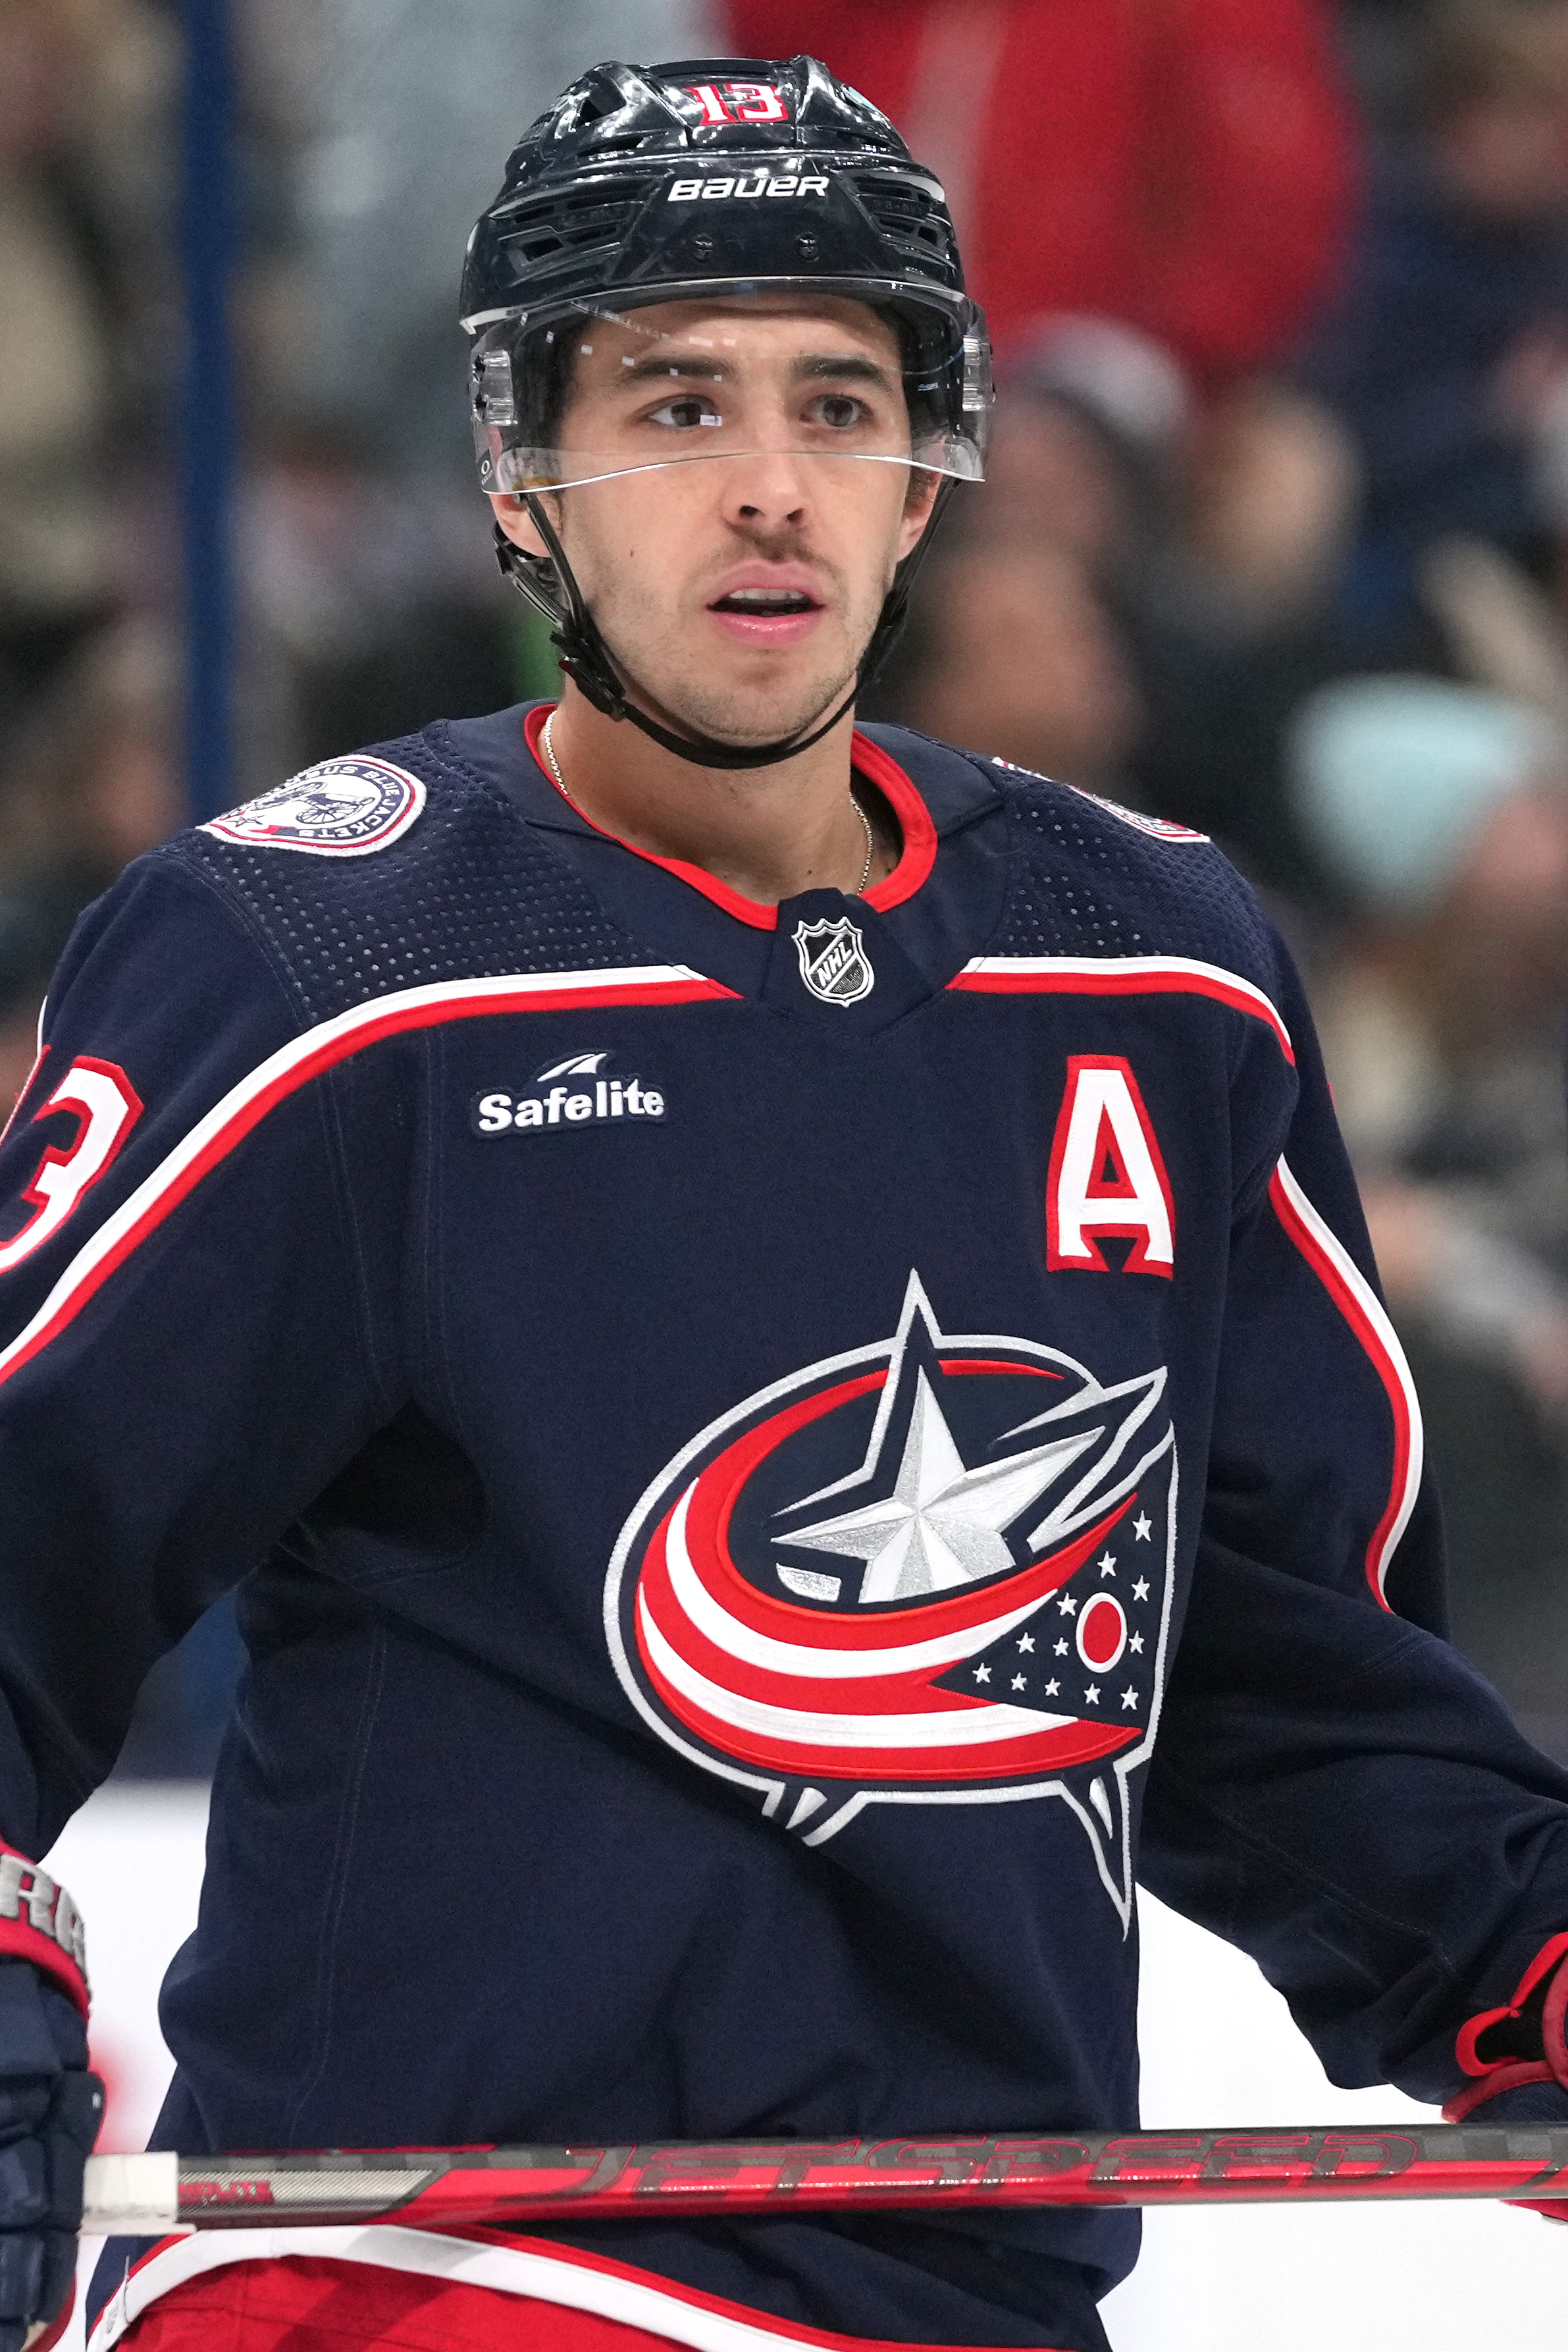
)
(518, 524)
(919, 500)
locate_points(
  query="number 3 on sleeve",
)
(106, 1107)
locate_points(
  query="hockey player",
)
(773, 1329)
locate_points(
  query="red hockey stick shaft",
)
(437, 2188)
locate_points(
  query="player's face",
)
(737, 594)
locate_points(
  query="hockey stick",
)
(434, 2189)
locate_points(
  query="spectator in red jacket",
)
(1186, 165)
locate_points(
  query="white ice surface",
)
(1219, 2048)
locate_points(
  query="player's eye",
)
(839, 411)
(686, 409)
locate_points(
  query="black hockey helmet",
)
(719, 175)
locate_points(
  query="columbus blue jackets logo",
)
(342, 808)
(933, 1570)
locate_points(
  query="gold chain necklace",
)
(567, 794)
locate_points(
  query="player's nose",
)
(770, 487)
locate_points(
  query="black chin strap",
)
(549, 584)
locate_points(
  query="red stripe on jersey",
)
(1364, 1311)
(293, 1067)
(913, 867)
(306, 2304)
(514, 2291)
(1121, 976)
(914, 823)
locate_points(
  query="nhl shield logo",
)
(934, 1570)
(834, 964)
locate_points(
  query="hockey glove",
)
(50, 2107)
(1517, 2058)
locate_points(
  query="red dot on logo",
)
(1101, 1632)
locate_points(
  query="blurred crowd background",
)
(1275, 541)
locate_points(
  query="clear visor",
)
(612, 393)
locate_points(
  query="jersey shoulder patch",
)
(1158, 828)
(339, 808)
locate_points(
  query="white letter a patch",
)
(1106, 1173)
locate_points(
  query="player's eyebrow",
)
(852, 367)
(636, 370)
(813, 367)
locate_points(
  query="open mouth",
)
(765, 604)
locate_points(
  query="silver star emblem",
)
(1140, 1526)
(942, 1525)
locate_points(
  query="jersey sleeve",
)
(186, 1353)
(1333, 1787)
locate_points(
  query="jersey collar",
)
(869, 759)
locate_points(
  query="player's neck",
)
(767, 832)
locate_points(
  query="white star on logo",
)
(1140, 1526)
(1053, 1687)
(942, 1525)
(1129, 1697)
(1108, 1564)
(1068, 1606)
(982, 1674)
(1026, 1641)
(1136, 1642)
(1020, 1682)
(1061, 1649)
(1141, 1590)
(1092, 1696)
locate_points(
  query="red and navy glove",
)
(51, 2105)
(1517, 2058)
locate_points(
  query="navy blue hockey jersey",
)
(775, 1462)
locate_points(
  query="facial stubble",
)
(649, 642)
